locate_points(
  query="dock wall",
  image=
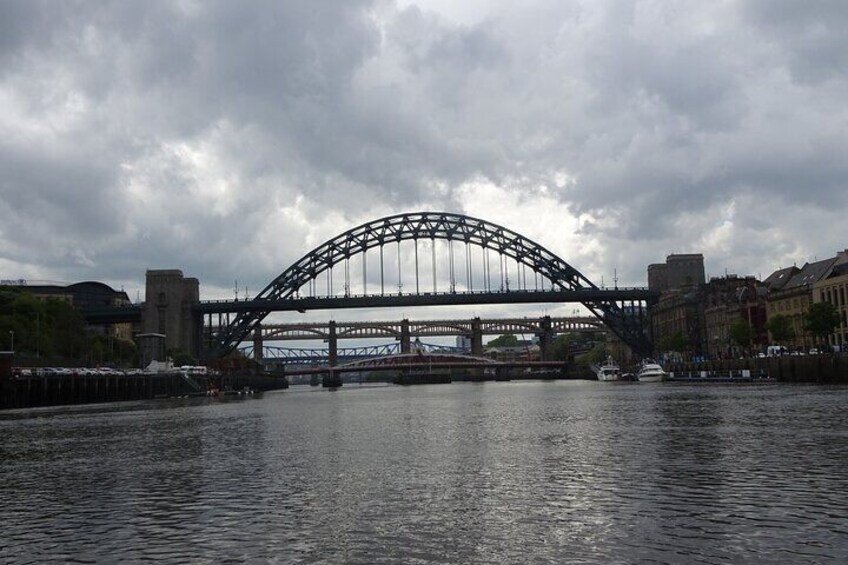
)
(56, 390)
(826, 368)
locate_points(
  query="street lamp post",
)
(12, 333)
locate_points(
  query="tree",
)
(596, 355)
(780, 328)
(821, 319)
(560, 347)
(740, 332)
(66, 330)
(506, 340)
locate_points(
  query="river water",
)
(519, 472)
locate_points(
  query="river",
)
(516, 472)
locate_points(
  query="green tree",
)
(55, 332)
(596, 355)
(821, 319)
(505, 340)
(560, 347)
(740, 332)
(65, 330)
(780, 328)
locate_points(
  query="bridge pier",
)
(546, 338)
(476, 337)
(331, 380)
(405, 341)
(257, 344)
(332, 344)
(502, 374)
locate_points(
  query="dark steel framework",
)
(548, 270)
(273, 355)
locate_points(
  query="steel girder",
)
(425, 328)
(301, 355)
(443, 226)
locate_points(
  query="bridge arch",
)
(434, 226)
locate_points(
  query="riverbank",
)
(19, 391)
(823, 368)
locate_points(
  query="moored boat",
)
(651, 372)
(609, 371)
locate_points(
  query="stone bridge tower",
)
(168, 301)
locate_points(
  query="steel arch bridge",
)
(630, 325)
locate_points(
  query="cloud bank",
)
(228, 139)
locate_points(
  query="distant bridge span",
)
(424, 328)
(623, 311)
(431, 361)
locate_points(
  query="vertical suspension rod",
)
(347, 276)
(382, 273)
(500, 267)
(468, 276)
(417, 287)
(486, 268)
(450, 270)
(517, 274)
(433, 249)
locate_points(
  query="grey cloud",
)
(289, 113)
(811, 35)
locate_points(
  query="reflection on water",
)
(475, 473)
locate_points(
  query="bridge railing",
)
(429, 293)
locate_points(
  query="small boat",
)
(651, 372)
(609, 371)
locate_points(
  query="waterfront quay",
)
(823, 368)
(87, 386)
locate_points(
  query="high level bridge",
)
(413, 259)
(403, 331)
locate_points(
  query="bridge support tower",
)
(168, 301)
(405, 341)
(332, 344)
(331, 380)
(257, 344)
(546, 338)
(476, 337)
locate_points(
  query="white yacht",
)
(650, 372)
(609, 371)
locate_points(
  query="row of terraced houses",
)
(702, 312)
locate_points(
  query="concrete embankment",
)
(828, 368)
(66, 389)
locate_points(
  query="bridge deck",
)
(426, 299)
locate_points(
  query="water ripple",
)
(500, 473)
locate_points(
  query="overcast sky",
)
(227, 139)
